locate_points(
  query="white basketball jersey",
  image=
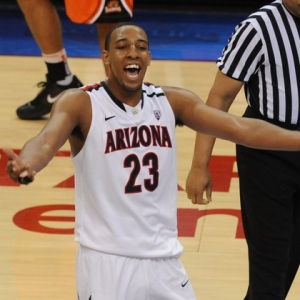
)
(126, 177)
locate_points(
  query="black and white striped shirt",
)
(264, 52)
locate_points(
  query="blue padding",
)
(172, 35)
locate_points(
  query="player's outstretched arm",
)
(67, 113)
(253, 133)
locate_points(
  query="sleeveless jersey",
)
(126, 177)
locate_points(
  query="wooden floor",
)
(37, 256)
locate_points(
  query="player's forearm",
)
(203, 149)
(204, 144)
(37, 153)
(262, 135)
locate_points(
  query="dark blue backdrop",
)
(173, 35)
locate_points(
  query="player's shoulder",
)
(71, 100)
(91, 87)
(151, 90)
(177, 92)
(150, 86)
(73, 94)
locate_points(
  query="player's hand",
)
(198, 183)
(17, 170)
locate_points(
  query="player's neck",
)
(124, 93)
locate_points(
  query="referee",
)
(263, 55)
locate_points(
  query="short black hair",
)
(108, 36)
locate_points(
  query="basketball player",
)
(122, 137)
(45, 26)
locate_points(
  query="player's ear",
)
(105, 57)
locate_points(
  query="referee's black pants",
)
(270, 205)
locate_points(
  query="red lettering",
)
(166, 140)
(156, 135)
(221, 170)
(68, 183)
(110, 144)
(30, 218)
(120, 144)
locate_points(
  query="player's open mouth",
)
(132, 71)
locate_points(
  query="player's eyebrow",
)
(125, 39)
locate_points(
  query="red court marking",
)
(30, 218)
(221, 170)
(4, 178)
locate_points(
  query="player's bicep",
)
(66, 115)
(195, 114)
(183, 102)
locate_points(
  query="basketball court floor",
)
(37, 253)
